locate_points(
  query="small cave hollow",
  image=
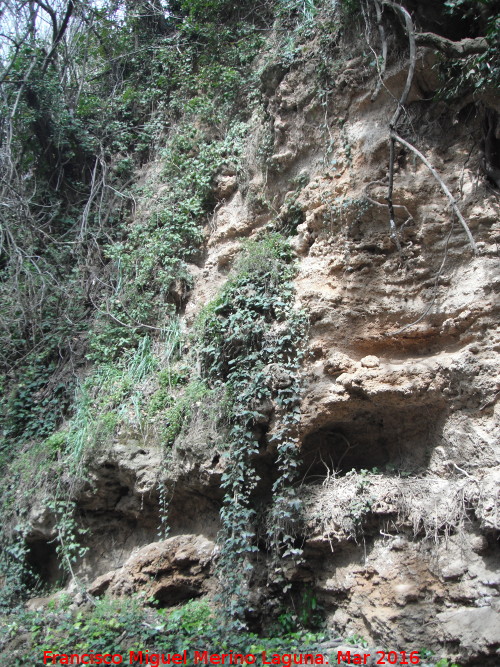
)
(173, 594)
(388, 439)
(43, 562)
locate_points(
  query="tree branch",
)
(58, 35)
(442, 185)
(53, 17)
(399, 109)
(413, 59)
(466, 47)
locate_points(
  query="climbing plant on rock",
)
(250, 339)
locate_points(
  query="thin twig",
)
(443, 186)
(397, 114)
(413, 60)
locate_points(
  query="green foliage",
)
(180, 412)
(34, 476)
(249, 336)
(47, 471)
(68, 545)
(97, 630)
(210, 10)
(292, 216)
(469, 9)
(356, 640)
(428, 655)
(104, 399)
(127, 624)
(16, 576)
(193, 619)
(310, 615)
(305, 9)
(350, 8)
(306, 613)
(153, 276)
(35, 405)
(76, 276)
(114, 395)
(475, 72)
(36, 387)
(101, 628)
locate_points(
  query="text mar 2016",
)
(378, 658)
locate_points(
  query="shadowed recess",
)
(382, 437)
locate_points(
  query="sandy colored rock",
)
(371, 361)
(225, 186)
(473, 628)
(171, 571)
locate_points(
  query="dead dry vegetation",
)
(429, 508)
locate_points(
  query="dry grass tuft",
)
(433, 508)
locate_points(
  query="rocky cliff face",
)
(400, 477)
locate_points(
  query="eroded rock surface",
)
(400, 416)
(170, 571)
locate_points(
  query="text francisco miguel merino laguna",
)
(147, 658)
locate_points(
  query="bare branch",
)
(442, 185)
(413, 59)
(58, 36)
(466, 47)
(53, 17)
(394, 137)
